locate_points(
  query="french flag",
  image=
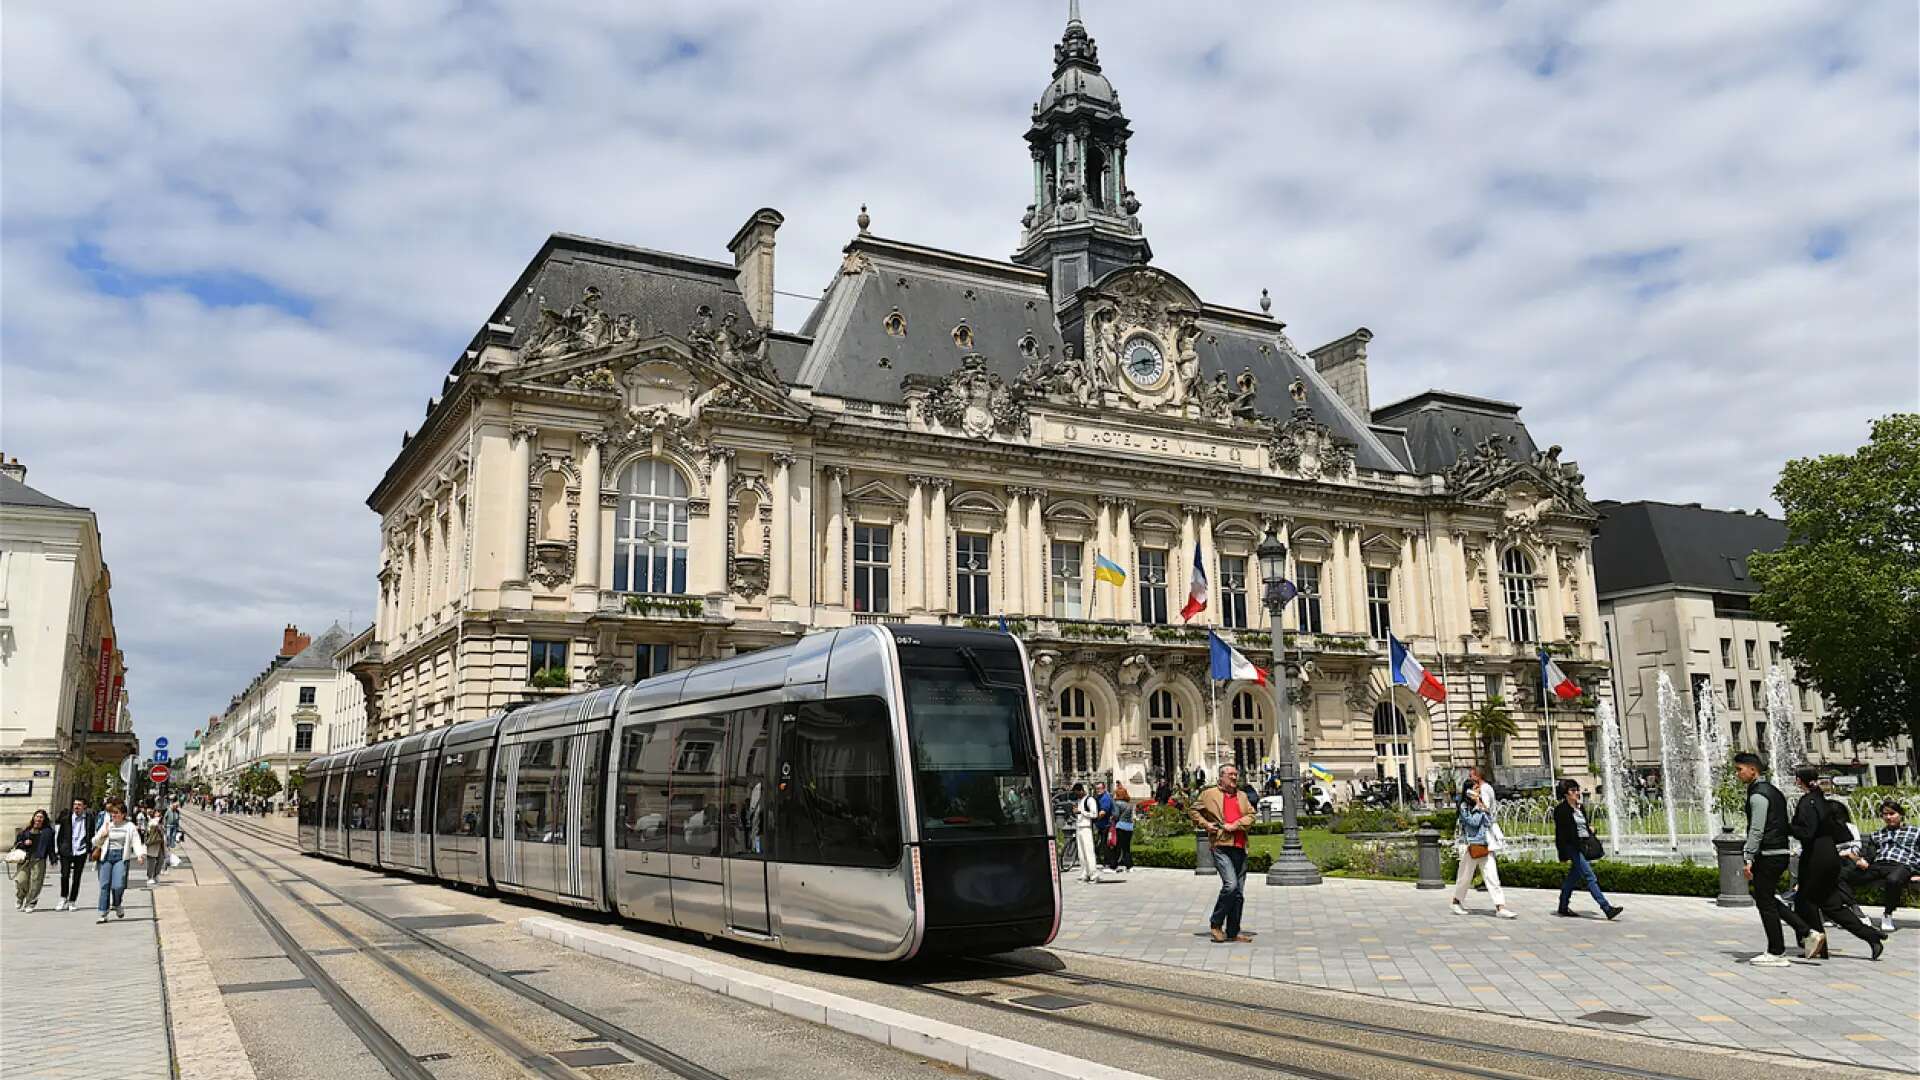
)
(1230, 664)
(1197, 592)
(1552, 678)
(1408, 672)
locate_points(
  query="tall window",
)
(1153, 585)
(1067, 586)
(1773, 653)
(1516, 583)
(1380, 603)
(1249, 731)
(1167, 741)
(1308, 575)
(1079, 738)
(1758, 695)
(547, 663)
(1233, 591)
(303, 738)
(651, 660)
(970, 574)
(1805, 706)
(1392, 744)
(872, 568)
(650, 529)
(1726, 652)
(1753, 660)
(1733, 693)
(309, 694)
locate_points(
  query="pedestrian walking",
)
(115, 847)
(1889, 858)
(1476, 853)
(1765, 853)
(73, 837)
(155, 837)
(1103, 823)
(1578, 847)
(1163, 792)
(1224, 811)
(1820, 833)
(1085, 810)
(1120, 834)
(32, 847)
(171, 821)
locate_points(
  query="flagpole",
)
(1546, 704)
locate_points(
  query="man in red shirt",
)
(1224, 811)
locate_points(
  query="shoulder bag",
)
(1590, 847)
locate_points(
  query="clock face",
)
(1143, 362)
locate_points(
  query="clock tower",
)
(1082, 223)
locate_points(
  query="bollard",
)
(1203, 854)
(1729, 847)
(1429, 851)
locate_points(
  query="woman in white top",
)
(115, 847)
(1086, 810)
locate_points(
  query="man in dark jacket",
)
(73, 838)
(1819, 875)
(1766, 852)
(1572, 835)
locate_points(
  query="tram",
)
(872, 792)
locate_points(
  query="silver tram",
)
(871, 792)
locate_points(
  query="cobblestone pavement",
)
(1678, 963)
(81, 999)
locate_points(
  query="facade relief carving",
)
(582, 326)
(1308, 448)
(970, 400)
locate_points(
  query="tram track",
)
(529, 1059)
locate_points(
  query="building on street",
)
(64, 675)
(284, 717)
(347, 729)
(1675, 597)
(631, 469)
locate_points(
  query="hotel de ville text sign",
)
(1112, 438)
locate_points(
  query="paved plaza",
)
(1677, 962)
(82, 999)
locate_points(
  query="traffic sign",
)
(161, 755)
(127, 766)
(158, 774)
(160, 743)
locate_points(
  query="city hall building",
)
(630, 469)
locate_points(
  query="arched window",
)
(1249, 732)
(1166, 733)
(1079, 736)
(650, 529)
(1392, 743)
(1516, 583)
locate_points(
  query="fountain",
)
(1710, 759)
(1674, 744)
(1613, 766)
(1786, 749)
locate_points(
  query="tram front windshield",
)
(975, 768)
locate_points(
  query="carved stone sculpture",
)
(974, 400)
(583, 325)
(1308, 448)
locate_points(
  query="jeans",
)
(113, 880)
(1765, 889)
(1891, 877)
(1580, 872)
(1231, 862)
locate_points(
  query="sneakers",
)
(1886, 924)
(1503, 913)
(102, 918)
(1565, 914)
(1769, 960)
(1815, 944)
(119, 912)
(65, 906)
(1456, 908)
(1614, 912)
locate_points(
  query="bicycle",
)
(1069, 849)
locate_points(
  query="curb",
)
(990, 1055)
(206, 1045)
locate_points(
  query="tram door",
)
(749, 755)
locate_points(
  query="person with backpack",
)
(1086, 810)
(1574, 839)
(1820, 833)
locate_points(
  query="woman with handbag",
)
(1578, 848)
(32, 849)
(1120, 833)
(115, 847)
(1476, 853)
(155, 836)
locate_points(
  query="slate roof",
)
(15, 493)
(1001, 303)
(1645, 544)
(1442, 427)
(319, 655)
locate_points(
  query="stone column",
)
(719, 545)
(832, 585)
(780, 546)
(1013, 568)
(1589, 603)
(1496, 597)
(1104, 543)
(1408, 602)
(1211, 617)
(1125, 604)
(586, 563)
(1336, 611)
(801, 555)
(521, 469)
(915, 549)
(457, 550)
(1036, 537)
(937, 557)
(1551, 605)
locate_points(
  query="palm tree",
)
(1486, 723)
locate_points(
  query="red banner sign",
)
(103, 684)
(113, 702)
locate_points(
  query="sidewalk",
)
(1675, 964)
(82, 1000)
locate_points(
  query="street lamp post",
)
(1291, 866)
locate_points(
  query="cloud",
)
(244, 243)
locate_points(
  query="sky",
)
(242, 243)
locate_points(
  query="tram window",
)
(590, 789)
(336, 785)
(557, 794)
(748, 742)
(405, 778)
(694, 812)
(646, 766)
(363, 798)
(838, 797)
(310, 802)
(462, 774)
(533, 818)
(973, 756)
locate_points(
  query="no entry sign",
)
(158, 774)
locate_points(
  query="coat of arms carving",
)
(1308, 448)
(972, 399)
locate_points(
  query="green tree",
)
(1487, 722)
(1846, 587)
(297, 778)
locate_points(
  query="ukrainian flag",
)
(1321, 773)
(1105, 569)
